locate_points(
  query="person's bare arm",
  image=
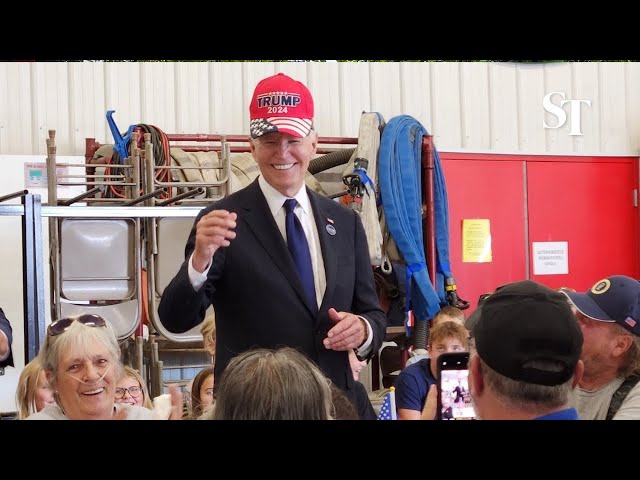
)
(428, 412)
(406, 414)
(431, 405)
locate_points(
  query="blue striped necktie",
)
(299, 249)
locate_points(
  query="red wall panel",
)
(492, 189)
(586, 201)
(589, 205)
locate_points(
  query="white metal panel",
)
(445, 98)
(4, 106)
(385, 89)
(158, 95)
(192, 101)
(632, 98)
(87, 116)
(122, 94)
(462, 105)
(530, 89)
(15, 108)
(475, 105)
(51, 102)
(324, 85)
(613, 108)
(296, 70)
(355, 96)
(585, 81)
(415, 92)
(503, 106)
(557, 78)
(229, 106)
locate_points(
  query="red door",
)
(589, 203)
(491, 189)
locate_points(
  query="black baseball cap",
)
(612, 299)
(522, 322)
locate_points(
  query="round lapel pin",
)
(331, 230)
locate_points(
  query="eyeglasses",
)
(133, 391)
(61, 326)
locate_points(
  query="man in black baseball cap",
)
(609, 315)
(526, 360)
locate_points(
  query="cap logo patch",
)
(630, 321)
(601, 287)
(278, 102)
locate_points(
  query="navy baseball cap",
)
(522, 324)
(612, 299)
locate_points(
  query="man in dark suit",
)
(237, 255)
(6, 337)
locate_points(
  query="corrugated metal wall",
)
(477, 107)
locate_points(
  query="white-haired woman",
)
(81, 358)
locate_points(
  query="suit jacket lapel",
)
(263, 225)
(327, 245)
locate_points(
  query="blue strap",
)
(399, 176)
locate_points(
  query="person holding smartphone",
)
(412, 384)
(525, 357)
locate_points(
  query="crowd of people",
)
(534, 353)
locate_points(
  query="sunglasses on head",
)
(88, 319)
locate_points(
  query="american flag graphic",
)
(409, 322)
(297, 126)
(260, 127)
(388, 410)
(630, 321)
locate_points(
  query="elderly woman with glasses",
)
(81, 358)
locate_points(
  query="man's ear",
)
(313, 136)
(622, 344)
(577, 374)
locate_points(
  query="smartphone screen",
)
(454, 398)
